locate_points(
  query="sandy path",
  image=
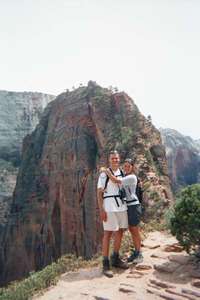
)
(174, 268)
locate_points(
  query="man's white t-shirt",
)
(111, 204)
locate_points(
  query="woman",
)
(134, 210)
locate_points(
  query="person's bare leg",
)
(136, 255)
(115, 259)
(135, 233)
(117, 240)
(106, 243)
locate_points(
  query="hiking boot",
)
(106, 268)
(131, 257)
(117, 262)
(136, 257)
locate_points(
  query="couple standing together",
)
(118, 213)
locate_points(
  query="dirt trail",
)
(166, 272)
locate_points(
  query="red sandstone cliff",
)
(54, 210)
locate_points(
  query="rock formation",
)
(20, 112)
(183, 157)
(54, 210)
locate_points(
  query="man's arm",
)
(111, 176)
(103, 214)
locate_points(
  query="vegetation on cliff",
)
(37, 281)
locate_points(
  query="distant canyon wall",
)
(20, 112)
(183, 158)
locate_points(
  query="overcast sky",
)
(148, 48)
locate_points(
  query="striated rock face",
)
(183, 157)
(54, 210)
(19, 115)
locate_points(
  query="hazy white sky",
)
(148, 48)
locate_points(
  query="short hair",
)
(113, 152)
(130, 161)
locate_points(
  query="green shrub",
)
(185, 218)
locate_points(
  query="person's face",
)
(128, 168)
(114, 160)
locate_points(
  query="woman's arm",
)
(110, 175)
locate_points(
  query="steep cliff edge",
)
(54, 210)
(183, 158)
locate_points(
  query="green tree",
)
(185, 219)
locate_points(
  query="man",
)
(113, 213)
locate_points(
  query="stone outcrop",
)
(183, 157)
(20, 112)
(54, 210)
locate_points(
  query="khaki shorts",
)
(116, 220)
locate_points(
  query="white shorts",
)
(116, 220)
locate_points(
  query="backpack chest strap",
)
(113, 196)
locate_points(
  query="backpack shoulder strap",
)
(121, 172)
(106, 182)
(111, 171)
(107, 179)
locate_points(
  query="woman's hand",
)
(103, 170)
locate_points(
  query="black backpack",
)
(139, 191)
